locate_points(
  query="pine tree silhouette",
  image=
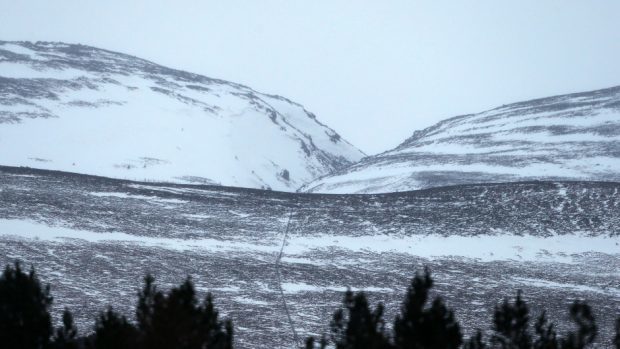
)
(146, 303)
(475, 342)
(419, 327)
(176, 320)
(582, 315)
(359, 327)
(547, 337)
(113, 331)
(617, 338)
(511, 322)
(65, 336)
(25, 321)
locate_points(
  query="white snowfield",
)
(570, 137)
(503, 246)
(80, 109)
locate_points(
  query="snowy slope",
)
(82, 109)
(569, 137)
(556, 241)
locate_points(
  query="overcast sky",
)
(375, 71)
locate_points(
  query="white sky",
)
(375, 71)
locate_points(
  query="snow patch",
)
(487, 248)
(138, 197)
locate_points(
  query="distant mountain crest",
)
(568, 137)
(82, 109)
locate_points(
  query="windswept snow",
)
(81, 109)
(500, 247)
(138, 197)
(570, 137)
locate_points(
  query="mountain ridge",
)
(149, 122)
(550, 138)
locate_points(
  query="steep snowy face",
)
(87, 110)
(569, 137)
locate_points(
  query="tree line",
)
(177, 319)
(425, 324)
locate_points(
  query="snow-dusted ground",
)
(81, 109)
(486, 248)
(570, 137)
(94, 238)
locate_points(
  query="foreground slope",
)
(94, 239)
(82, 109)
(569, 137)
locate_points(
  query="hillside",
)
(568, 137)
(94, 238)
(87, 110)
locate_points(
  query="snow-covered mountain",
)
(87, 110)
(568, 137)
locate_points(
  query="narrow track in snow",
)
(288, 314)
